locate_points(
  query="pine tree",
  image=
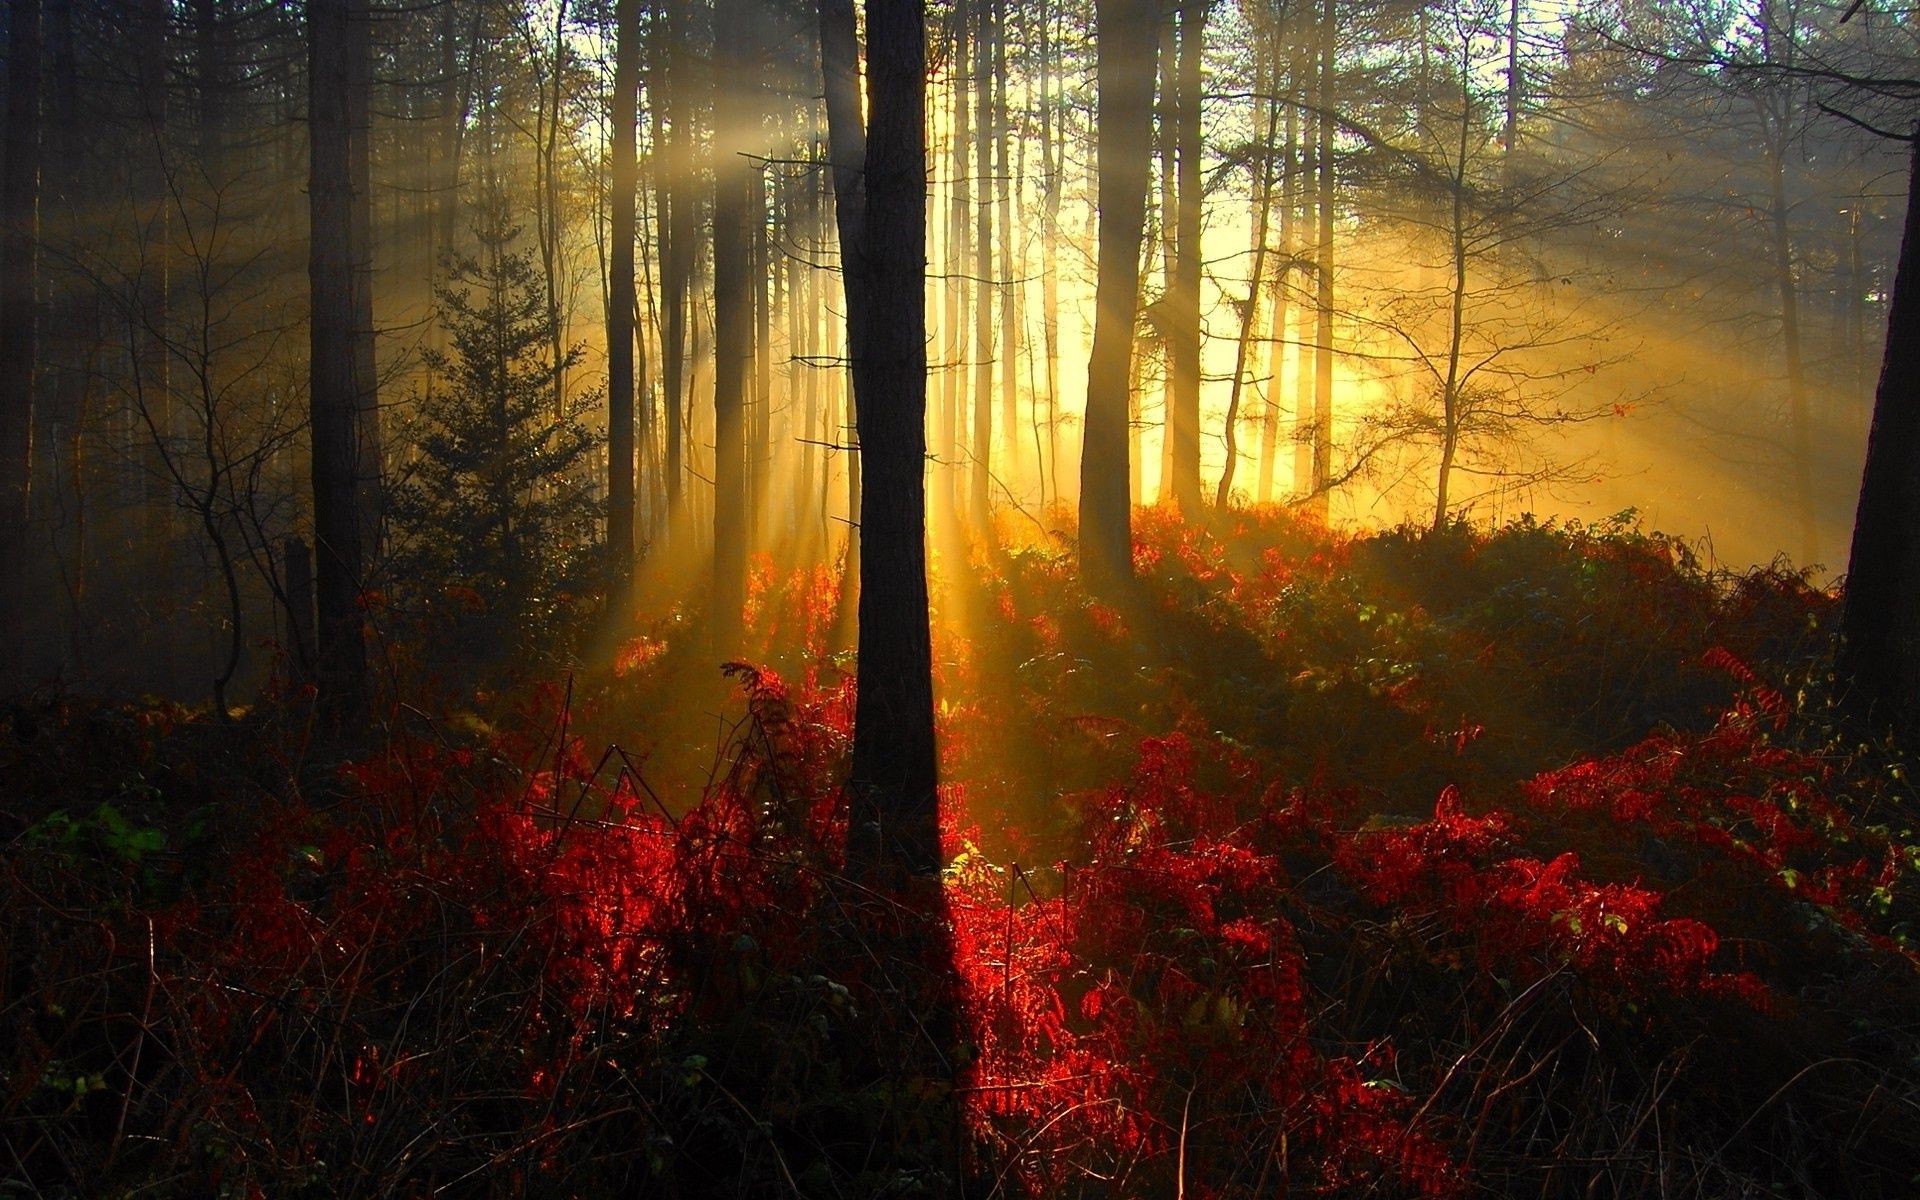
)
(500, 497)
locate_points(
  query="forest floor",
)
(1524, 862)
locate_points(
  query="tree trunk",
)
(19, 352)
(1052, 164)
(760, 428)
(153, 373)
(1128, 42)
(679, 210)
(621, 300)
(880, 200)
(733, 184)
(1323, 267)
(1282, 294)
(1879, 653)
(334, 390)
(369, 448)
(1308, 169)
(1005, 181)
(1164, 232)
(296, 573)
(960, 288)
(1450, 399)
(1183, 297)
(1799, 419)
(981, 507)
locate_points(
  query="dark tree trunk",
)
(19, 257)
(334, 389)
(1128, 41)
(369, 448)
(1183, 297)
(153, 374)
(678, 209)
(1879, 656)
(296, 565)
(733, 204)
(880, 195)
(621, 300)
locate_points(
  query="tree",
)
(19, 255)
(1484, 345)
(734, 185)
(499, 499)
(336, 38)
(880, 206)
(1183, 292)
(1879, 655)
(621, 301)
(1128, 44)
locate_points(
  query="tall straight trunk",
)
(369, 447)
(547, 205)
(1856, 299)
(982, 494)
(804, 315)
(72, 338)
(1052, 164)
(646, 315)
(760, 429)
(153, 374)
(1009, 278)
(622, 304)
(19, 351)
(677, 231)
(880, 200)
(1798, 416)
(1136, 428)
(1166, 148)
(1309, 170)
(1879, 651)
(733, 205)
(1127, 43)
(1450, 399)
(960, 288)
(1183, 298)
(1323, 268)
(334, 393)
(455, 102)
(210, 52)
(1282, 294)
(954, 262)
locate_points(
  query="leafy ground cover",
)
(1524, 862)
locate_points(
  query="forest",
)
(1082, 598)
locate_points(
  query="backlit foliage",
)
(1521, 863)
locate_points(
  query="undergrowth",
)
(1528, 862)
